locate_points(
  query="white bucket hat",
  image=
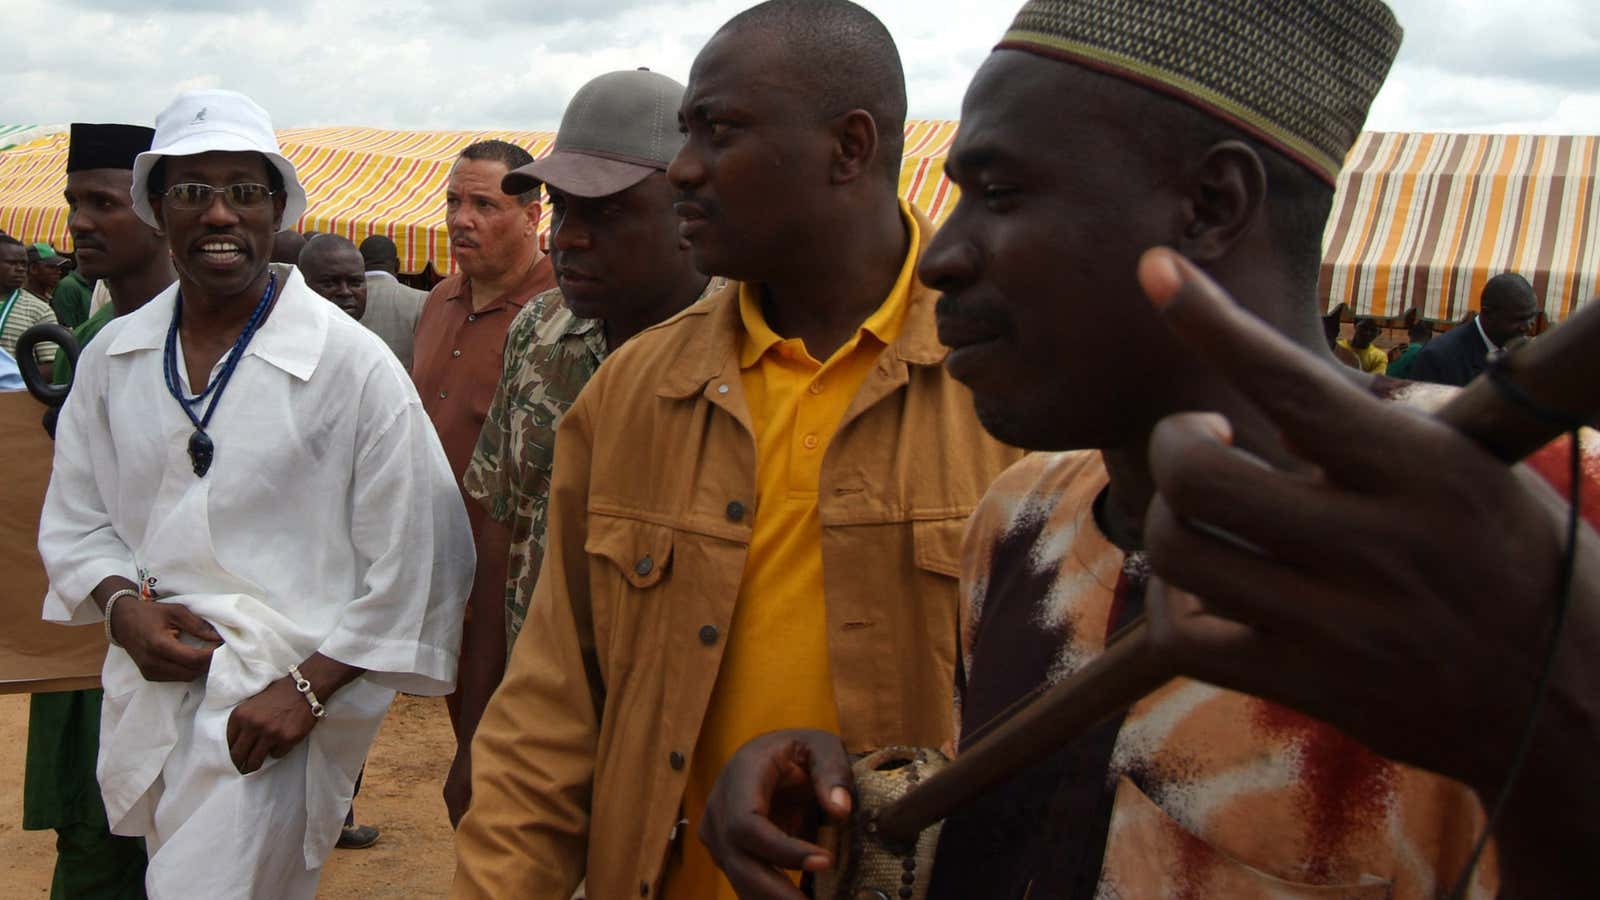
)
(202, 121)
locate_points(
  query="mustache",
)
(949, 306)
(688, 199)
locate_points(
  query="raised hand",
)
(1400, 587)
(765, 799)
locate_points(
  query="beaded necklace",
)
(201, 448)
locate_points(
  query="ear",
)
(280, 201)
(855, 148)
(531, 211)
(1227, 191)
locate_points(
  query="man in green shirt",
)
(60, 790)
(71, 299)
(1420, 333)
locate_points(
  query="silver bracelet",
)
(304, 687)
(111, 602)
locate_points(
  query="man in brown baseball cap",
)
(621, 269)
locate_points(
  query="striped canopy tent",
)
(15, 135)
(1424, 220)
(1420, 220)
(363, 181)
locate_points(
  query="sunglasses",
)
(194, 197)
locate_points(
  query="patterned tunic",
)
(550, 355)
(1200, 791)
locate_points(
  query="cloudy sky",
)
(1466, 65)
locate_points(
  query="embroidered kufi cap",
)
(1299, 75)
(106, 146)
(202, 121)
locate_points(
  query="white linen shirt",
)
(329, 521)
(329, 499)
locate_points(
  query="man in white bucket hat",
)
(250, 500)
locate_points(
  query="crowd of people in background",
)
(756, 469)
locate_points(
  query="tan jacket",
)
(581, 759)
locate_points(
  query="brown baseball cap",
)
(618, 129)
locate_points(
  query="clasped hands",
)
(271, 723)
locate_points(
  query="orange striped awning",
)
(1424, 220)
(363, 181)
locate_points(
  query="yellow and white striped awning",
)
(362, 181)
(1424, 220)
(1419, 219)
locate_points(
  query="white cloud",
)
(1533, 65)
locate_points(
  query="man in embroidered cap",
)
(129, 260)
(1098, 130)
(248, 498)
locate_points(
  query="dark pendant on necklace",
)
(201, 450)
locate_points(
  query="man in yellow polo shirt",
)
(757, 507)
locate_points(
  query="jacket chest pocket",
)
(630, 564)
(936, 544)
(640, 551)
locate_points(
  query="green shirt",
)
(71, 300)
(1401, 367)
(84, 332)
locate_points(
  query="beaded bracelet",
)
(111, 602)
(304, 687)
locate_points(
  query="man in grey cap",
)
(248, 497)
(621, 269)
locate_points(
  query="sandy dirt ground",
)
(400, 795)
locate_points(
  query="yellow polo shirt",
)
(775, 671)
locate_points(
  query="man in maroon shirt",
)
(461, 336)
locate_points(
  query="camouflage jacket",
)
(550, 355)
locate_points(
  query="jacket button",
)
(644, 565)
(473, 317)
(675, 760)
(455, 354)
(735, 511)
(708, 634)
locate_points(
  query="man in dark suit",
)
(1507, 310)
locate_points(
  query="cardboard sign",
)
(35, 656)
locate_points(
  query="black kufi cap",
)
(106, 146)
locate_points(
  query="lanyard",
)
(5, 314)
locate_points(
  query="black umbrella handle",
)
(40, 384)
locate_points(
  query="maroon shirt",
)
(458, 356)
